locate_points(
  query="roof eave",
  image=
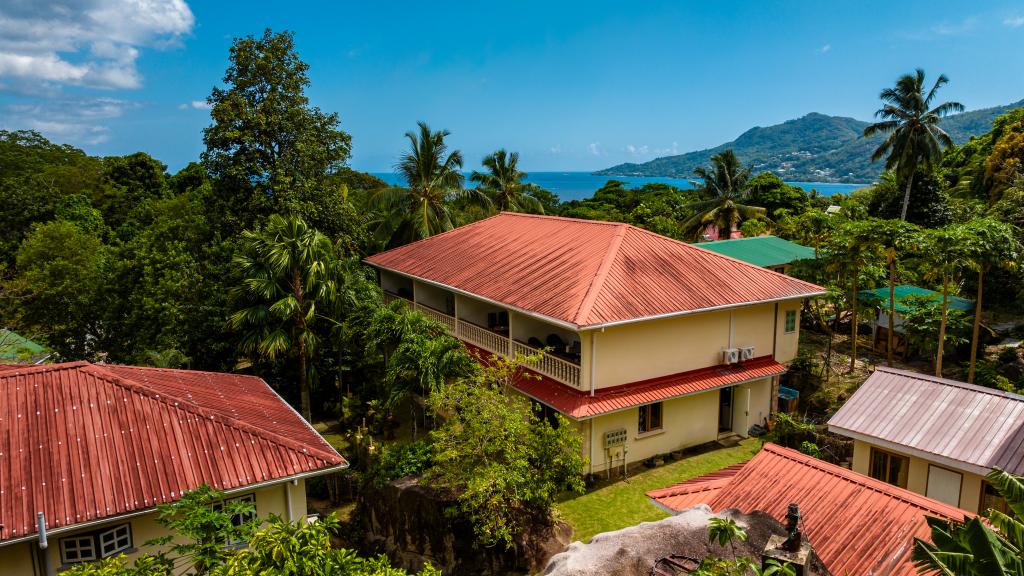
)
(910, 450)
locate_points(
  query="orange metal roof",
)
(958, 424)
(700, 490)
(585, 273)
(579, 404)
(856, 524)
(81, 442)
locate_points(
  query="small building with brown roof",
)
(648, 344)
(934, 436)
(857, 525)
(88, 451)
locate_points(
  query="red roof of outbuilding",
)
(960, 425)
(579, 404)
(82, 442)
(585, 273)
(856, 524)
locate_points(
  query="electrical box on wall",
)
(615, 437)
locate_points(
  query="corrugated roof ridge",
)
(689, 246)
(562, 218)
(597, 282)
(17, 369)
(699, 483)
(896, 492)
(101, 372)
(950, 382)
(248, 376)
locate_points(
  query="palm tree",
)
(972, 548)
(433, 177)
(289, 282)
(989, 243)
(725, 182)
(912, 128)
(503, 183)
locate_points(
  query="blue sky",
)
(571, 86)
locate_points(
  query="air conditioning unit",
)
(615, 437)
(730, 355)
(746, 353)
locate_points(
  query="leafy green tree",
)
(290, 283)
(503, 183)
(852, 247)
(946, 256)
(931, 207)
(433, 180)
(989, 243)
(725, 182)
(970, 547)
(78, 210)
(895, 238)
(62, 272)
(127, 182)
(145, 565)
(268, 148)
(911, 126)
(504, 460)
(769, 192)
(928, 321)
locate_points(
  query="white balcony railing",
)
(437, 316)
(550, 365)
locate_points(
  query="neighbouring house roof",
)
(880, 297)
(761, 250)
(585, 273)
(580, 405)
(82, 442)
(15, 347)
(960, 425)
(857, 525)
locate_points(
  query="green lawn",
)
(623, 504)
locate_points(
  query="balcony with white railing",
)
(556, 359)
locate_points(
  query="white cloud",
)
(642, 150)
(669, 151)
(595, 149)
(195, 105)
(824, 49)
(80, 122)
(556, 149)
(1014, 21)
(92, 43)
(965, 26)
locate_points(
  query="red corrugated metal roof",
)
(856, 524)
(700, 490)
(82, 442)
(585, 273)
(580, 404)
(969, 426)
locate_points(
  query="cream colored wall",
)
(686, 422)
(917, 475)
(751, 405)
(786, 345)
(436, 298)
(16, 559)
(393, 282)
(642, 350)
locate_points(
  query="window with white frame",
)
(96, 544)
(237, 520)
(790, 325)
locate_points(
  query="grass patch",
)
(624, 504)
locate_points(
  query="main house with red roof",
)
(857, 525)
(648, 344)
(87, 451)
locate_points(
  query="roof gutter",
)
(903, 449)
(579, 327)
(151, 509)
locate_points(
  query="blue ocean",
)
(580, 185)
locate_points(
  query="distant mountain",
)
(815, 148)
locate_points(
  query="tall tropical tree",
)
(289, 284)
(851, 248)
(503, 183)
(911, 126)
(433, 179)
(725, 183)
(947, 259)
(895, 238)
(989, 243)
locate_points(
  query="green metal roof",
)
(761, 250)
(880, 297)
(14, 346)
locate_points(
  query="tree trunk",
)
(892, 311)
(977, 329)
(304, 403)
(853, 326)
(942, 327)
(906, 197)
